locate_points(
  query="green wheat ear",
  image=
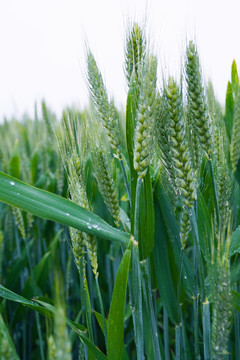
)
(73, 159)
(105, 109)
(105, 183)
(161, 131)
(135, 52)
(196, 99)
(19, 221)
(47, 120)
(143, 141)
(184, 176)
(222, 297)
(59, 345)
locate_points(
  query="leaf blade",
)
(48, 311)
(116, 314)
(53, 207)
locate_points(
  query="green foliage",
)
(138, 218)
(116, 312)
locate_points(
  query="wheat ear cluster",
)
(135, 52)
(143, 141)
(105, 109)
(77, 189)
(196, 99)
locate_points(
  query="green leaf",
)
(162, 267)
(204, 226)
(131, 113)
(14, 164)
(32, 287)
(149, 316)
(48, 311)
(99, 319)
(136, 302)
(178, 342)
(93, 349)
(40, 273)
(235, 78)
(235, 242)
(236, 300)
(144, 216)
(51, 310)
(100, 323)
(229, 106)
(34, 166)
(53, 207)
(206, 330)
(173, 232)
(10, 295)
(18, 266)
(116, 314)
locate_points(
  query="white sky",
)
(42, 53)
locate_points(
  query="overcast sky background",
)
(42, 53)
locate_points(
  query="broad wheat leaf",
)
(116, 315)
(144, 216)
(53, 207)
(162, 267)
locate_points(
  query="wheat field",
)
(120, 231)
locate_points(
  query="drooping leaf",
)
(48, 311)
(53, 207)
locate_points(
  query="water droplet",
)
(12, 183)
(185, 277)
(89, 226)
(67, 214)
